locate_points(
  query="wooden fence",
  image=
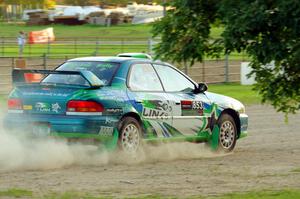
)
(210, 71)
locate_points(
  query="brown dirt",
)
(267, 159)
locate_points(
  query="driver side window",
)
(172, 80)
(144, 78)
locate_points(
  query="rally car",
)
(122, 102)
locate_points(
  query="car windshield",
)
(103, 70)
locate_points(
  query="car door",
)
(149, 99)
(188, 109)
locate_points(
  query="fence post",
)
(203, 71)
(75, 46)
(186, 70)
(97, 47)
(226, 69)
(2, 47)
(48, 47)
(12, 62)
(44, 61)
(122, 45)
(29, 49)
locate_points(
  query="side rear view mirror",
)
(201, 88)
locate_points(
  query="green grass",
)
(243, 93)
(296, 170)
(75, 35)
(87, 30)
(16, 193)
(269, 194)
(284, 194)
(3, 99)
(84, 33)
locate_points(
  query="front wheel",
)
(130, 135)
(227, 133)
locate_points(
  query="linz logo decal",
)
(154, 113)
(157, 109)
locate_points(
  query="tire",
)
(130, 135)
(227, 133)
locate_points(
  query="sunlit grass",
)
(243, 93)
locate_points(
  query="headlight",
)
(242, 110)
(238, 106)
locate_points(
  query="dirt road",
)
(269, 158)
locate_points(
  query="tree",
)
(37, 3)
(267, 30)
(184, 31)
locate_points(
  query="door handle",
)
(177, 103)
(138, 101)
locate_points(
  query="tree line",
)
(52, 3)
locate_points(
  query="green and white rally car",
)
(123, 102)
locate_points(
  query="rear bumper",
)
(62, 125)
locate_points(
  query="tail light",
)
(15, 104)
(33, 77)
(80, 107)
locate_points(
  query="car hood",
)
(226, 102)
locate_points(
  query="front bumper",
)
(244, 125)
(62, 125)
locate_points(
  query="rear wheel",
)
(227, 133)
(130, 135)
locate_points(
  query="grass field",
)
(80, 31)
(282, 194)
(243, 93)
(87, 30)
(86, 40)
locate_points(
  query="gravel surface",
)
(269, 158)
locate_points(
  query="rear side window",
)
(143, 78)
(103, 70)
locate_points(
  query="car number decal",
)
(106, 131)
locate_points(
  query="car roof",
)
(120, 60)
(109, 59)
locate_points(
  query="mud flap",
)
(214, 141)
(112, 144)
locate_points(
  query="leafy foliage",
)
(39, 3)
(267, 30)
(185, 31)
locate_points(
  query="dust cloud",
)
(20, 152)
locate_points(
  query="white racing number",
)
(106, 131)
(197, 105)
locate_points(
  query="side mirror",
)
(201, 88)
